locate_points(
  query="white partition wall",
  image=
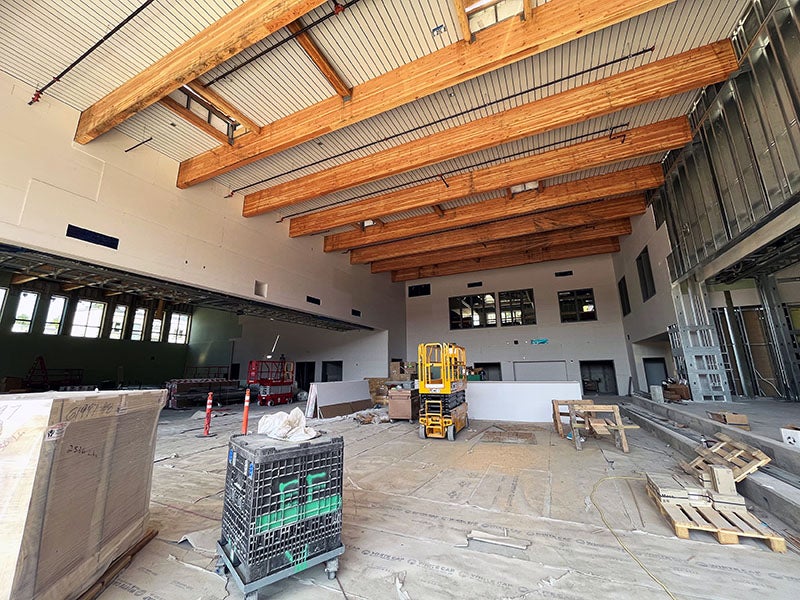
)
(520, 401)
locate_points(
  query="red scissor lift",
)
(274, 379)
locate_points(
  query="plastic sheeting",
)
(282, 426)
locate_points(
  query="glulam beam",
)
(553, 23)
(501, 261)
(242, 27)
(605, 150)
(563, 218)
(683, 72)
(626, 181)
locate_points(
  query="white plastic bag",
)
(282, 426)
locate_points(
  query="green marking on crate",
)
(302, 559)
(291, 510)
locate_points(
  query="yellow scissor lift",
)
(442, 370)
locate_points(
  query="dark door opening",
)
(492, 370)
(655, 371)
(598, 377)
(234, 371)
(304, 374)
(332, 370)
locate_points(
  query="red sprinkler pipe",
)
(246, 411)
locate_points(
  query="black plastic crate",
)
(283, 502)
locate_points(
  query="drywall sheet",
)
(91, 457)
(336, 398)
(540, 370)
(521, 401)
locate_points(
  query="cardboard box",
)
(404, 404)
(791, 435)
(75, 475)
(730, 418)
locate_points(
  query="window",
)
(645, 275)
(624, 300)
(25, 309)
(577, 305)
(3, 293)
(517, 308)
(467, 312)
(139, 317)
(422, 289)
(178, 328)
(118, 322)
(55, 315)
(155, 330)
(88, 319)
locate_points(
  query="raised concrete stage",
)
(775, 487)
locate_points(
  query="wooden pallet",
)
(741, 458)
(725, 525)
(558, 405)
(117, 566)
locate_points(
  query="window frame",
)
(88, 326)
(29, 321)
(172, 334)
(111, 332)
(573, 296)
(624, 298)
(517, 304)
(48, 320)
(645, 270)
(137, 335)
(469, 307)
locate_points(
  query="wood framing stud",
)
(696, 68)
(642, 141)
(20, 278)
(194, 119)
(242, 27)
(556, 22)
(319, 59)
(438, 210)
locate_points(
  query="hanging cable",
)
(38, 93)
(337, 8)
(449, 117)
(600, 132)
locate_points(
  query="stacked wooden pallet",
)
(715, 506)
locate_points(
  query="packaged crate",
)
(283, 503)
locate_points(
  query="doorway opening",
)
(598, 377)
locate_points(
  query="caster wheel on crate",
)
(221, 568)
(331, 566)
(251, 596)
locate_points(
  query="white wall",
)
(195, 236)
(427, 318)
(363, 353)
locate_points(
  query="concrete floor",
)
(410, 503)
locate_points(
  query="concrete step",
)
(772, 488)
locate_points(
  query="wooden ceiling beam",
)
(553, 220)
(554, 23)
(506, 246)
(501, 261)
(220, 103)
(690, 70)
(193, 119)
(463, 20)
(319, 59)
(242, 27)
(628, 181)
(642, 141)
(20, 278)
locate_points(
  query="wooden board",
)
(725, 525)
(558, 413)
(741, 458)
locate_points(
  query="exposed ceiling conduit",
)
(449, 117)
(337, 8)
(611, 132)
(38, 93)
